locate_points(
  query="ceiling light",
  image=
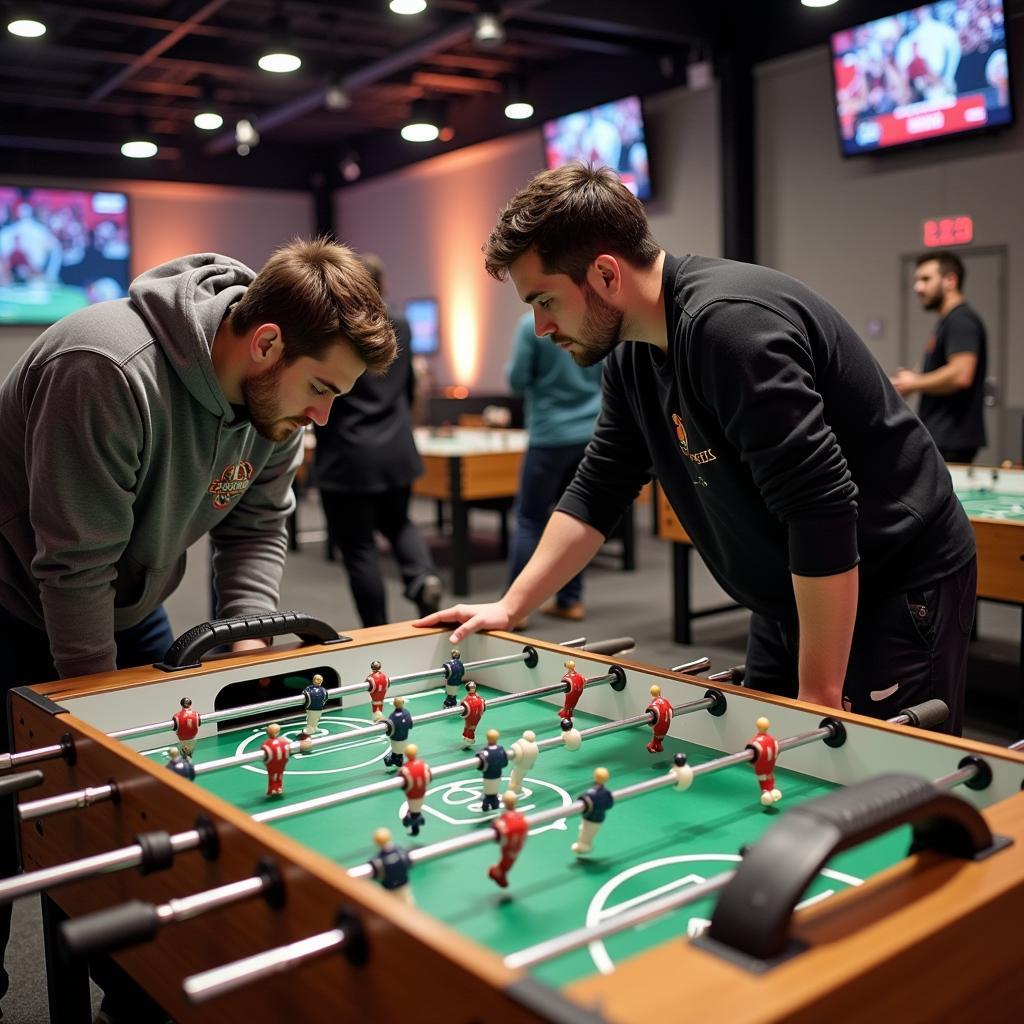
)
(350, 168)
(138, 148)
(407, 6)
(488, 30)
(817, 3)
(26, 27)
(206, 117)
(336, 97)
(246, 137)
(424, 124)
(517, 107)
(280, 56)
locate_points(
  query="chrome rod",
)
(192, 906)
(690, 667)
(221, 980)
(33, 809)
(647, 911)
(8, 761)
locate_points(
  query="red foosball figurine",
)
(659, 712)
(473, 707)
(574, 684)
(766, 753)
(377, 683)
(275, 749)
(512, 830)
(186, 726)
(415, 776)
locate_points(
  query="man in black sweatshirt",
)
(815, 497)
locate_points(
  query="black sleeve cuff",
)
(823, 547)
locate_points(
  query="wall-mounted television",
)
(60, 250)
(425, 323)
(611, 135)
(933, 71)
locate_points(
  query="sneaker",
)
(428, 595)
(571, 612)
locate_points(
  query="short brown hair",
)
(319, 293)
(571, 215)
(949, 263)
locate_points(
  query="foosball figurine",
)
(492, 760)
(659, 713)
(377, 683)
(180, 765)
(398, 727)
(314, 700)
(572, 738)
(682, 771)
(473, 707)
(391, 866)
(275, 750)
(524, 754)
(766, 753)
(574, 684)
(186, 726)
(598, 802)
(454, 671)
(512, 830)
(415, 775)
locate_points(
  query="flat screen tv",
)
(60, 250)
(425, 324)
(930, 72)
(611, 135)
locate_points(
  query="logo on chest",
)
(699, 458)
(233, 480)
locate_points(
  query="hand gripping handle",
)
(754, 910)
(189, 648)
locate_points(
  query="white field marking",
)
(467, 795)
(598, 910)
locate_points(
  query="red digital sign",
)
(946, 231)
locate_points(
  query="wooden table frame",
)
(914, 920)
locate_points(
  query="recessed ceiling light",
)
(407, 6)
(208, 120)
(27, 28)
(138, 149)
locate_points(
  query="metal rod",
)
(956, 778)
(192, 906)
(221, 980)
(33, 809)
(8, 761)
(87, 867)
(690, 667)
(648, 911)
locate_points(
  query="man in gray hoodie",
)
(131, 428)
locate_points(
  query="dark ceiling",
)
(110, 67)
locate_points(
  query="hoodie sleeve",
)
(757, 371)
(250, 543)
(83, 458)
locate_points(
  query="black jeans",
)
(352, 520)
(26, 659)
(545, 475)
(907, 648)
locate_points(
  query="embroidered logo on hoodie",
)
(233, 480)
(700, 458)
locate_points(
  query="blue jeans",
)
(27, 660)
(545, 475)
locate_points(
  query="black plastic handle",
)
(188, 649)
(754, 910)
(109, 930)
(927, 714)
(733, 675)
(616, 645)
(22, 780)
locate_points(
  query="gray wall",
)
(843, 225)
(427, 223)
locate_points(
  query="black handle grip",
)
(109, 930)
(616, 645)
(927, 714)
(754, 910)
(22, 780)
(188, 649)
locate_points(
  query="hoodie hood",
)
(183, 302)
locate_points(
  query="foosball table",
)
(349, 850)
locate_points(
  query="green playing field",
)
(649, 845)
(990, 505)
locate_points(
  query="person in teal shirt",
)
(561, 403)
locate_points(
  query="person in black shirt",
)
(365, 463)
(814, 495)
(952, 381)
